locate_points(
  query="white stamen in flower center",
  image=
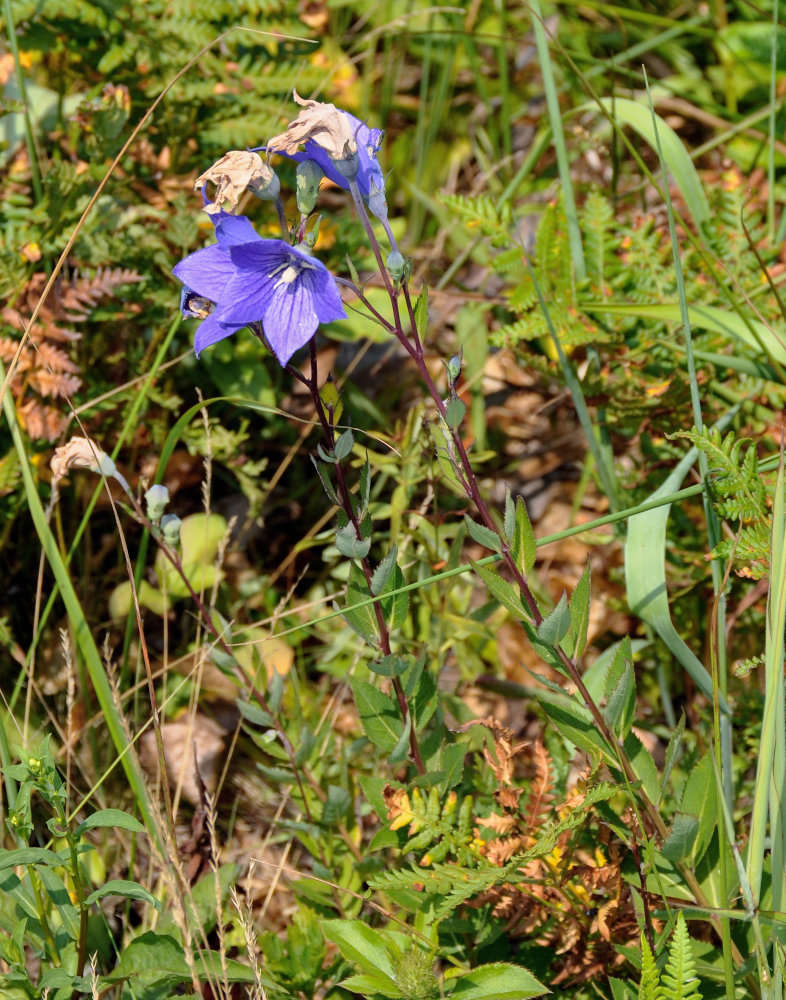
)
(290, 271)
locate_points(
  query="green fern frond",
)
(740, 492)
(648, 987)
(679, 980)
(479, 212)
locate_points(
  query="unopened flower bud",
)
(312, 235)
(349, 164)
(170, 529)
(376, 201)
(396, 265)
(309, 175)
(454, 367)
(157, 497)
(267, 188)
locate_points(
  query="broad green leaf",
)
(360, 944)
(344, 445)
(400, 751)
(620, 693)
(444, 448)
(57, 892)
(482, 535)
(201, 536)
(424, 700)
(553, 628)
(362, 620)
(158, 959)
(640, 119)
(381, 574)
(334, 809)
(395, 608)
(501, 590)
(574, 723)
(643, 765)
(421, 313)
(379, 714)
(110, 817)
(499, 981)
(368, 984)
(254, 714)
(29, 856)
(681, 838)
(123, 887)
(454, 412)
(390, 666)
(349, 545)
(580, 601)
(700, 799)
(523, 546)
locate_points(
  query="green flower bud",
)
(309, 176)
(170, 529)
(396, 265)
(157, 497)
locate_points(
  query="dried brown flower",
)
(324, 123)
(235, 172)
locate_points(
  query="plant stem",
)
(412, 345)
(345, 499)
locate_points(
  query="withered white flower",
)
(331, 129)
(237, 171)
(84, 453)
(343, 147)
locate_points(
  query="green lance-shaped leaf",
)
(362, 620)
(501, 590)
(421, 313)
(344, 444)
(554, 627)
(123, 887)
(498, 981)
(454, 412)
(645, 577)
(379, 715)
(396, 607)
(115, 818)
(361, 945)
(620, 692)
(580, 601)
(523, 548)
(382, 573)
(482, 535)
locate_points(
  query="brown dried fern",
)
(45, 371)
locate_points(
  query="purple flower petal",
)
(233, 230)
(290, 320)
(211, 330)
(207, 271)
(251, 279)
(327, 298)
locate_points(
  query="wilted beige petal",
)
(81, 453)
(232, 174)
(324, 123)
